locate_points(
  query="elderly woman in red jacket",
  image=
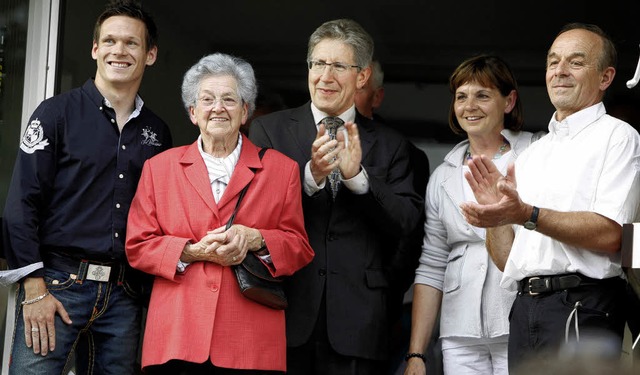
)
(198, 320)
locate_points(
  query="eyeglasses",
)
(317, 66)
(228, 102)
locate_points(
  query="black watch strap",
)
(532, 223)
(416, 355)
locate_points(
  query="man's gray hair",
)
(347, 31)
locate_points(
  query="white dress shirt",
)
(587, 162)
(359, 184)
(220, 169)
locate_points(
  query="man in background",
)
(370, 96)
(401, 269)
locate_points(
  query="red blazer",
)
(201, 313)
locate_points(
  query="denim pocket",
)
(58, 280)
(132, 289)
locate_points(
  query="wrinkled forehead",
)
(218, 85)
(577, 42)
(332, 50)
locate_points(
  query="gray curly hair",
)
(220, 64)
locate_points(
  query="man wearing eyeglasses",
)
(358, 201)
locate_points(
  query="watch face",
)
(531, 224)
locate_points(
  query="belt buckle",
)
(534, 278)
(98, 272)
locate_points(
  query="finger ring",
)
(234, 258)
(33, 329)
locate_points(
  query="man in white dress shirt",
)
(554, 223)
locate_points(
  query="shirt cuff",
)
(266, 258)
(358, 184)
(9, 277)
(181, 266)
(310, 186)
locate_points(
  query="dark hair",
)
(133, 9)
(489, 71)
(609, 55)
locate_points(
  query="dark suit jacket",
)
(402, 268)
(354, 238)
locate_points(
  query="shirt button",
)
(214, 288)
(113, 121)
(116, 235)
(117, 205)
(124, 147)
(101, 108)
(322, 272)
(120, 175)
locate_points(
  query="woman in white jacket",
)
(456, 276)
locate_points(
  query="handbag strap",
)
(235, 210)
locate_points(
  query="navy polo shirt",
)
(75, 176)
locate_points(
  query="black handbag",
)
(254, 279)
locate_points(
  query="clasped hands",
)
(498, 200)
(223, 246)
(344, 153)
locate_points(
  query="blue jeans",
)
(109, 314)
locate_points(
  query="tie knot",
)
(332, 123)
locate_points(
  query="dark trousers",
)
(538, 322)
(176, 367)
(317, 357)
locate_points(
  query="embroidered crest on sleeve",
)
(150, 137)
(33, 138)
